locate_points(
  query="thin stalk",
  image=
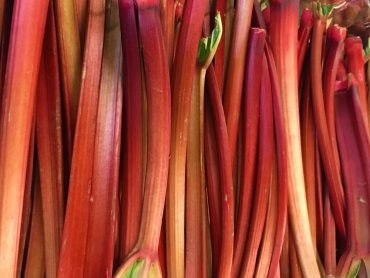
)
(35, 264)
(235, 68)
(283, 268)
(304, 36)
(4, 42)
(330, 260)
(104, 183)
(356, 65)
(143, 260)
(181, 88)
(267, 243)
(28, 26)
(168, 25)
(49, 147)
(27, 201)
(282, 161)
(250, 139)
(132, 143)
(80, 194)
(196, 221)
(263, 175)
(294, 268)
(225, 176)
(213, 181)
(219, 61)
(70, 59)
(326, 149)
(335, 36)
(320, 237)
(284, 40)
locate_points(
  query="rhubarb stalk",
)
(181, 87)
(250, 139)
(132, 141)
(49, 146)
(80, 196)
(196, 224)
(284, 38)
(28, 26)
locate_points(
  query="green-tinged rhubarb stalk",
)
(19, 92)
(226, 234)
(327, 151)
(143, 259)
(132, 181)
(81, 12)
(35, 263)
(196, 224)
(263, 176)
(236, 63)
(356, 66)
(354, 146)
(284, 40)
(181, 87)
(49, 147)
(70, 60)
(253, 73)
(80, 195)
(104, 183)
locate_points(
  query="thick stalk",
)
(132, 143)
(181, 88)
(250, 139)
(80, 195)
(308, 136)
(284, 40)
(326, 149)
(235, 68)
(28, 26)
(354, 145)
(102, 215)
(144, 257)
(49, 146)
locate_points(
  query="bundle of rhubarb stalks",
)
(182, 138)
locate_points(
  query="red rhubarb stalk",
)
(143, 259)
(304, 35)
(235, 68)
(250, 138)
(132, 143)
(263, 175)
(354, 146)
(330, 261)
(181, 87)
(19, 92)
(284, 40)
(80, 195)
(104, 182)
(226, 178)
(49, 146)
(356, 66)
(326, 149)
